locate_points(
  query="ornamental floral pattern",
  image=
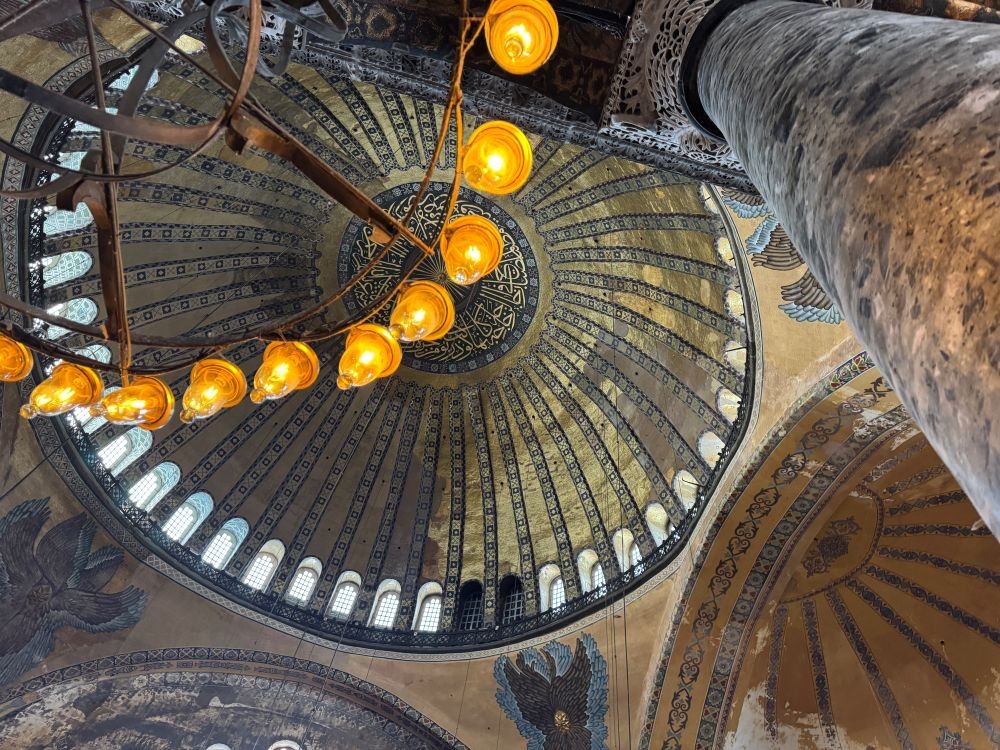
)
(830, 547)
(557, 697)
(54, 584)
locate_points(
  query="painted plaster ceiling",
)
(587, 387)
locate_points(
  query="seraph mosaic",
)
(556, 696)
(769, 246)
(56, 583)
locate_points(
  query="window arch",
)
(303, 584)
(427, 613)
(585, 563)
(125, 449)
(621, 541)
(736, 355)
(658, 522)
(470, 606)
(386, 605)
(597, 578)
(88, 423)
(635, 558)
(60, 222)
(188, 517)
(58, 269)
(345, 595)
(98, 352)
(710, 447)
(80, 310)
(728, 404)
(226, 541)
(557, 593)
(261, 569)
(546, 576)
(217, 746)
(724, 249)
(285, 745)
(685, 487)
(154, 485)
(512, 602)
(734, 303)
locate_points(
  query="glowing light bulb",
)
(15, 360)
(370, 352)
(497, 158)
(147, 402)
(215, 385)
(288, 366)
(424, 311)
(68, 387)
(521, 34)
(471, 247)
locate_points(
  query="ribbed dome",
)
(580, 403)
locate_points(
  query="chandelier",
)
(521, 36)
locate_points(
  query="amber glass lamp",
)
(288, 366)
(370, 353)
(424, 311)
(471, 248)
(521, 34)
(215, 385)
(68, 387)
(15, 360)
(497, 158)
(146, 402)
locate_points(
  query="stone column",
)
(875, 138)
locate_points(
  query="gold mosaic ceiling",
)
(587, 388)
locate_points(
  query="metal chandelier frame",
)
(243, 121)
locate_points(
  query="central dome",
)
(491, 316)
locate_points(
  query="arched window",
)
(470, 606)
(622, 541)
(261, 569)
(685, 487)
(597, 579)
(725, 250)
(188, 517)
(98, 352)
(88, 423)
(511, 592)
(285, 745)
(735, 355)
(557, 593)
(427, 613)
(710, 447)
(60, 222)
(728, 403)
(224, 544)
(546, 576)
(152, 486)
(300, 590)
(121, 452)
(635, 558)
(386, 605)
(585, 563)
(80, 310)
(734, 303)
(345, 595)
(658, 522)
(217, 746)
(58, 269)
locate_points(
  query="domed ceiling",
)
(580, 403)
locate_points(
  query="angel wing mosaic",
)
(556, 696)
(769, 246)
(54, 584)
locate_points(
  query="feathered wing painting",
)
(54, 584)
(556, 696)
(769, 246)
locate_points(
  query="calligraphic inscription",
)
(490, 317)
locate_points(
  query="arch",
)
(428, 590)
(622, 541)
(710, 447)
(224, 544)
(635, 558)
(153, 486)
(470, 606)
(58, 269)
(386, 607)
(285, 745)
(188, 517)
(686, 487)
(597, 578)
(546, 576)
(98, 352)
(217, 746)
(728, 403)
(736, 355)
(734, 303)
(80, 310)
(345, 595)
(265, 563)
(125, 449)
(585, 563)
(61, 222)
(658, 522)
(303, 583)
(512, 601)
(724, 249)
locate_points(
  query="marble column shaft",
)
(875, 139)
